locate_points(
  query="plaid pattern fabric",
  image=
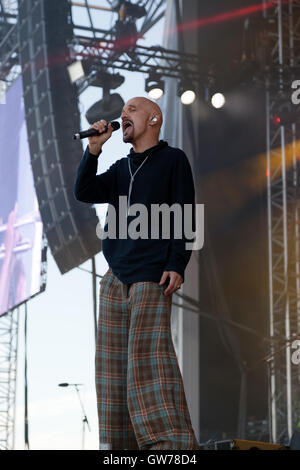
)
(140, 395)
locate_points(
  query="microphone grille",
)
(115, 125)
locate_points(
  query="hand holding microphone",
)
(96, 141)
(98, 134)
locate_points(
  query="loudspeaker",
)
(52, 116)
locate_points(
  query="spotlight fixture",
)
(154, 86)
(92, 71)
(186, 91)
(109, 108)
(76, 71)
(218, 100)
(103, 79)
(81, 69)
(125, 8)
(126, 35)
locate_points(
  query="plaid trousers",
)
(141, 401)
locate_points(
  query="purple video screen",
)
(21, 228)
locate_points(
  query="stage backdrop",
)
(21, 229)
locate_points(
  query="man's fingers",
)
(175, 283)
(171, 288)
(100, 126)
(163, 278)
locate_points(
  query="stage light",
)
(218, 100)
(125, 8)
(154, 86)
(76, 71)
(276, 119)
(155, 93)
(111, 105)
(105, 80)
(186, 91)
(188, 97)
(109, 108)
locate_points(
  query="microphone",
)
(66, 384)
(90, 132)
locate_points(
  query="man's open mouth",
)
(127, 126)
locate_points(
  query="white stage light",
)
(188, 97)
(218, 100)
(154, 86)
(76, 71)
(155, 93)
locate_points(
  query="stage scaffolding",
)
(281, 35)
(8, 376)
(9, 70)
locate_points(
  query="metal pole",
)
(85, 420)
(285, 238)
(83, 430)
(93, 7)
(26, 432)
(272, 403)
(242, 418)
(94, 281)
(16, 368)
(8, 359)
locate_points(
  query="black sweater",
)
(165, 177)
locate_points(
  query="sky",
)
(60, 323)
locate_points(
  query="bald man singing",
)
(140, 394)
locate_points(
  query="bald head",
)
(141, 111)
(151, 106)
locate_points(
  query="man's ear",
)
(154, 118)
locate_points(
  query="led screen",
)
(21, 229)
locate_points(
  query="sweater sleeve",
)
(90, 187)
(182, 192)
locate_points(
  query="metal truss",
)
(154, 11)
(8, 376)
(8, 12)
(282, 36)
(9, 61)
(156, 59)
(9, 70)
(105, 49)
